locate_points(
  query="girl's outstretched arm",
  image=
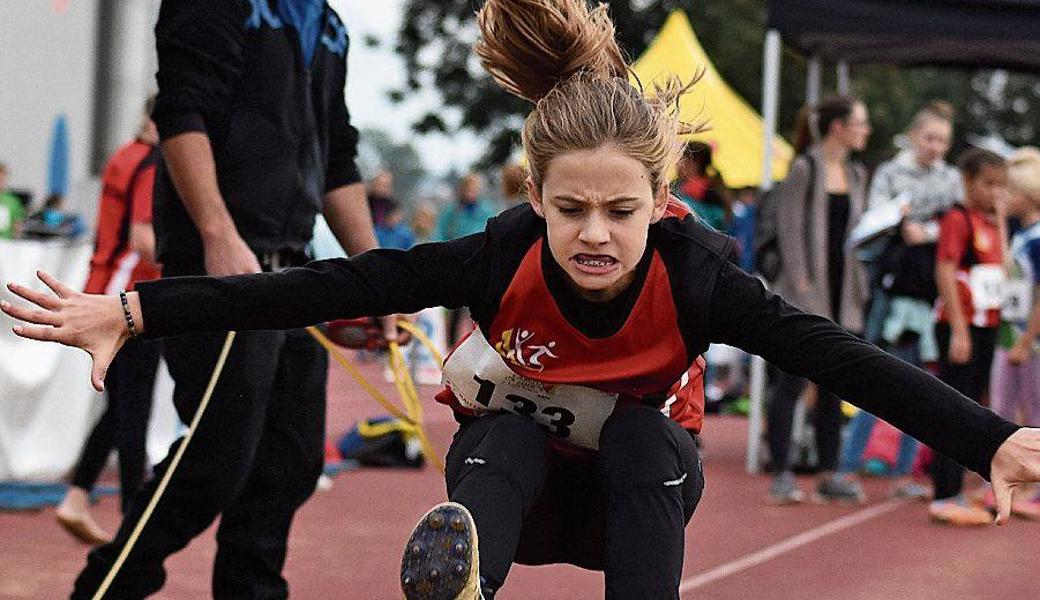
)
(746, 315)
(375, 283)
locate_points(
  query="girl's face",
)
(931, 140)
(598, 206)
(985, 189)
(854, 130)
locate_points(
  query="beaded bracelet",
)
(126, 313)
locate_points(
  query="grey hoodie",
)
(931, 189)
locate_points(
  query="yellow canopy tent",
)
(736, 128)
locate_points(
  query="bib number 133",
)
(554, 419)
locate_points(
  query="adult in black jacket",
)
(257, 141)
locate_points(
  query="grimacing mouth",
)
(595, 260)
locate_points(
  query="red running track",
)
(346, 541)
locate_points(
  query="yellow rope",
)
(421, 336)
(147, 514)
(403, 379)
(413, 414)
(358, 377)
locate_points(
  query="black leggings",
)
(970, 379)
(124, 424)
(621, 511)
(826, 423)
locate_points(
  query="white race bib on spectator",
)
(988, 286)
(1019, 301)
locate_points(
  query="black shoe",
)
(440, 560)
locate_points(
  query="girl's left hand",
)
(1016, 463)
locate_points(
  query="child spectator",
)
(393, 232)
(701, 187)
(970, 275)
(1015, 391)
(466, 216)
(424, 221)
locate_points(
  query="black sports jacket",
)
(280, 130)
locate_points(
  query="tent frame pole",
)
(770, 102)
(844, 84)
(813, 80)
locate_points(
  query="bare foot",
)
(73, 515)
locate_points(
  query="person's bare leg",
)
(74, 516)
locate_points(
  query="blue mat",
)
(18, 495)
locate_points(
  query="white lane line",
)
(792, 543)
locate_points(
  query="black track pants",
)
(622, 510)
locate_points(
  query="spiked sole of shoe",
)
(441, 561)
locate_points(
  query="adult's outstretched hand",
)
(92, 322)
(1016, 463)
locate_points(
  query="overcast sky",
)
(374, 71)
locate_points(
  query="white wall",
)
(46, 69)
(48, 55)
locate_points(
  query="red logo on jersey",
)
(522, 351)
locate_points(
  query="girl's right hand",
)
(92, 322)
(960, 347)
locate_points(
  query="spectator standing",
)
(124, 254)
(381, 196)
(823, 195)
(424, 221)
(11, 210)
(901, 310)
(1015, 385)
(701, 187)
(745, 213)
(393, 232)
(256, 140)
(970, 274)
(466, 216)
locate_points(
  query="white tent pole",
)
(813, 80)
(844, 86)
(770, 101)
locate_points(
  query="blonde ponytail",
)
(529, 46)
(563, 56)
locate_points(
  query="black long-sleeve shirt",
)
(278, 126)
(715, 302)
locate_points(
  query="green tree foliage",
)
(436, 36)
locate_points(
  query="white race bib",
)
(481, 381)
(988, 286)
(1019, 301)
